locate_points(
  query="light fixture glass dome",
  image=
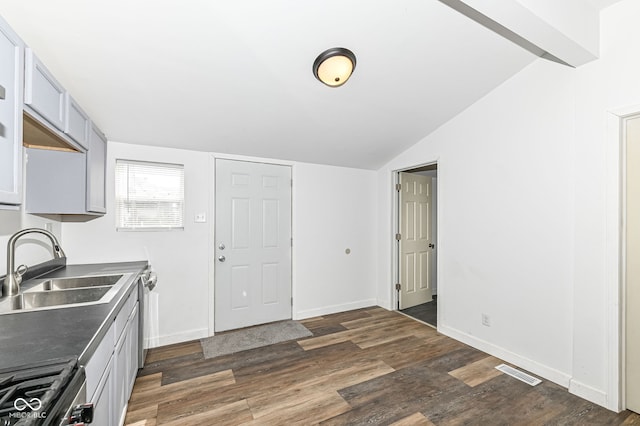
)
(334, 66)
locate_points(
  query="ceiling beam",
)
(566, 31)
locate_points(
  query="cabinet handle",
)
(2, 92)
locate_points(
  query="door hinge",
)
(398, 287)
(291, 301)
(291, 241)
(291, 182)
(398, 187)
(398, 237)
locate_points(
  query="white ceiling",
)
(602, 4)
(235, 76)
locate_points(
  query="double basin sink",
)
(64, 292)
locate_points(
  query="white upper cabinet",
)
(42, 92)
(65, 182)
(35, 109)
(96, 171)
(11, 83)
(77, 122)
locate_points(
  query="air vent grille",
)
(524, 377)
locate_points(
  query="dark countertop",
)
(31, 337)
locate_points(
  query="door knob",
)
(432, 246)
(222, 258)
(222, 246)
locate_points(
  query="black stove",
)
(41, 394)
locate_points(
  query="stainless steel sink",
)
(76, 282)
(41, 299)
(57, 293)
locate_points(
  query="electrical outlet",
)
(486, 321)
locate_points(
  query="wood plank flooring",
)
(368, 366)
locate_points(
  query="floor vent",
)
(530, 380)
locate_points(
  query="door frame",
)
(395, 218)
(212, 227)
(615, 255)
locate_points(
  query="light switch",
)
(201, 218)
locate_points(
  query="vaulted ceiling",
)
(235, 76)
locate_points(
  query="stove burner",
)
(28, 393)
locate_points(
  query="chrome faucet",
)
(10, 286)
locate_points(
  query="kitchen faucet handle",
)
(20, 271)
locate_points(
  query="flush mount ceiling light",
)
(334, 66)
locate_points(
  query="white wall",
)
(332, 210)
(504, 225)
(180, 258)
(523, 213)
(604, 86)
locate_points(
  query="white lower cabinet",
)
(120, 381)
(112, 370)
(103, 398)
(133, 340)
(126, 356)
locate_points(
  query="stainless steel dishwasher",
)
(146, 282)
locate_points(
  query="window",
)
(149, 196)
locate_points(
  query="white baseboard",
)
(154, 342)
(385, 304)
(326, 310)
(531, 366)
(587, 392)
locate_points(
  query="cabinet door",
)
(11, 48)
(96, 172)
(126, 365)
(133, 348)
(57, 182)
(42, 92)
(77, 122)
(103, 413)
(120, 382)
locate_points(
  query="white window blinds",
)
(149, 195)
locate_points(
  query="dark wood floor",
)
(369, 366)
(425, 312)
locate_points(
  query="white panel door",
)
(252, 244)
(416, 240)
(632, 269)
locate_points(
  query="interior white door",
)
(632, 269)
(252, 244)
(416, 242)
(433, 265)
